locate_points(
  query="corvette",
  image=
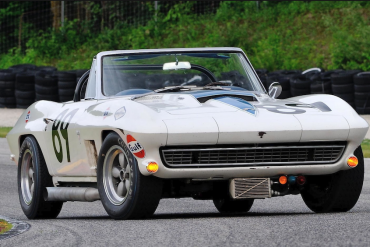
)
(145, 125)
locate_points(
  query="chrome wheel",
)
(117, 174)
(27, 177)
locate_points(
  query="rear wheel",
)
(124, 192)
(336, 192)
(33, 178)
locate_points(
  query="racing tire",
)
(124, 192)
(6, 75)
(66, 92)
(24, 86)
(343, 77)
(336, 192)
(7, 93)
(299, 92)
(51, 97)
(362, 78)
(32, 187)
(46, 90)
(65, 98)
(362, 96)
(24, 94)
(67, 84)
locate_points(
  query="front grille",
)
(257, 155)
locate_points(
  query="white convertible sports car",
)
(171, 123)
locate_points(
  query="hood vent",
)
(244, 97)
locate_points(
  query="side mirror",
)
(275, 90)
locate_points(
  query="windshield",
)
(136, 74)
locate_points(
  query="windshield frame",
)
(249, 69)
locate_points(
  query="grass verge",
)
(4, 131)
(4, 226)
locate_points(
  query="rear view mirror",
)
(176, 66)
(275, 90)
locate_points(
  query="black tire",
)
(320, 86)
(25, 77)
(298, 91)
(362, 96)
(362, 103)
(37, 207)
(46, 79)
(27, 102)
(362, 88)
(6, 75)
(145, 191)
(362, 78)
(342, 88)
(66, 92)
(67, 84)
(343, 77)
(8, 106)
(336, 192)
(24, 94)
(20, 106)
(7, 100)
(46, 89)
(66, 76)
(24, 86)
(6, 84)
(7, 93)
(345, 96)
(361, 110)
(51, 97)
(300, 83)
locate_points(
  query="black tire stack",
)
(7, 81)
(67, 81)
(342, 85)
(46, 86)
(362, 92)
(262, 74)
(25, 89)
(322, 85)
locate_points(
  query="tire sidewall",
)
(30, 210)
(123, 210)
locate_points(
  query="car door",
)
(67, 151)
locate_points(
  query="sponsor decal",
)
(120, 113)
(135, 147)
(28, 116)
(106, 113)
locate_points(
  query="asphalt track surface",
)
(280, 221)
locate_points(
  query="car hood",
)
(224, 117)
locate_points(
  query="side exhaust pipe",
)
(71, 194)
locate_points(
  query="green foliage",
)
(277, 35)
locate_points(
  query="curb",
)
(18, 228)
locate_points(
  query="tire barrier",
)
(23, 84)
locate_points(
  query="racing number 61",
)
(63, 126)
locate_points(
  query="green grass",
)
(4, 226)
(4, 131)
(366, 148)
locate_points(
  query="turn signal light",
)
(301, 180)
(152, 167)
(352, 162)
(283, 180)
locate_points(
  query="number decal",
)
(63, 127)
(281, 109)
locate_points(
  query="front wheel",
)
(124, 192)
(33, 178)
(336, 192)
